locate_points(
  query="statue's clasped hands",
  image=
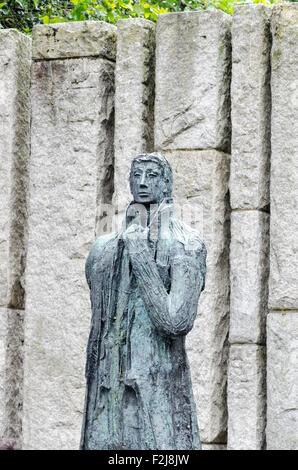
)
(135, 238)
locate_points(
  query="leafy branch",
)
(24, 14)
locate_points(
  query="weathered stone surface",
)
(201, 181)
(193, 80)
(250, 97)
(246, 397)
(213, 446)
(283, 292)
(3, 343)
(282, 381)
(11, 372)
(249, 270)
(134, 99)
(74, 39)
(15, 61)
(72, 121)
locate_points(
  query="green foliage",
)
(24, 14)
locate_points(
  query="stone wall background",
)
(218, 95)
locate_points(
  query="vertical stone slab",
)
(3, 344)
(283, 292)
(192, 105)
(246, 397)
(74, 39)
(249, 270)
(72, 128)
(251, 106)
(134, 99)
(249, 250)
(15, 62)
(201, 182)
(282, 381)
(11, 372)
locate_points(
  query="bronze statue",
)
(145, 282)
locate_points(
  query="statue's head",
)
(151, 178)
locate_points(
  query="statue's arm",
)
(172, 313)
(95, 254)
(93, 345)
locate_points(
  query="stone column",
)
(192, 129)
(249, 251)
(15, 62)
(282, 380)
(282, 372)
(3, 339)
(70, 176)
(192, 104)
(201, 200)
(134, 100)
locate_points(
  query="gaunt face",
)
(147, 182)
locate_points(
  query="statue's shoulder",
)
(189, 237)
(96, 252)
(100, 244)
(193, 246)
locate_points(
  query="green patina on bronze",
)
(145, 282)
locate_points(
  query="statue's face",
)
(147, 182)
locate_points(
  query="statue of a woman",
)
(145, 282)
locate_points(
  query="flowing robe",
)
(139, 393)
